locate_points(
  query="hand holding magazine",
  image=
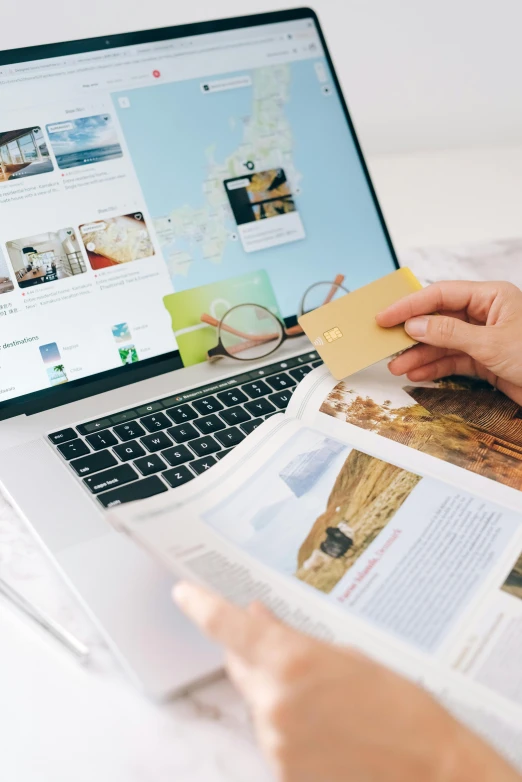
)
(376, 513)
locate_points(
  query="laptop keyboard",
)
(136, 453)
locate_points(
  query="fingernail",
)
(417, 327)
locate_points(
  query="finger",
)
(242, 633)
(451, 296)
(240, 673)
(222, 621)
(442, 331)
(457, 364)
(258, 609)
(415, 357)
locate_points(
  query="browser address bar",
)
(69, 67)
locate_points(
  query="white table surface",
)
(60, 722)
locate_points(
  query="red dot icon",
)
(156, 74)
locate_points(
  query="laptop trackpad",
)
(41, 485)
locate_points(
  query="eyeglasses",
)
(248, 332)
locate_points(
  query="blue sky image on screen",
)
(185, 142)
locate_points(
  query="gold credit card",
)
(344, 332)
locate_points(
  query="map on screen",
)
(254, 169)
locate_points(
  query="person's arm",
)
(477, 331)
(326, 714)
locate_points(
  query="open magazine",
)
(377, 513)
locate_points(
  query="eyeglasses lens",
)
(321, 293)
(248, 332)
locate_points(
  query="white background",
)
(433, 88)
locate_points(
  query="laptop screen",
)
(145, 184)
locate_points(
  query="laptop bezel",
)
(49, 398)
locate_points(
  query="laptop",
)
(147, 179)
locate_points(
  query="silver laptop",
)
(151, 184)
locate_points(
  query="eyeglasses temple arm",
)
(250, 337)
(339, 279)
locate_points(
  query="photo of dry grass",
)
(461, 420)
(513, 583)
(364, 498)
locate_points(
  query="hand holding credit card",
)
(345, 333)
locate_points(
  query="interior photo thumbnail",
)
(46, 257)
(23, 153)
(6, 285)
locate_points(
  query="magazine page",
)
(468, 435)
(337, 541)
(460, 430)
(347, 547)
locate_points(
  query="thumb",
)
(446, 332)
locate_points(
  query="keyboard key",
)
(63, 436)
(129, 431)
(178, 476)
(182, 413)
(130, 450)
(249, 426)
(207, 405)
(180, 434)
(272, 369)
(205, 445)
(317, 363)
(109, 479)
(93, 463)
(210, 423)
(156, 442)
(126, 415)
(313, 356)
(94, 426)
(177, 455)
(221, 454)
(202, 465)
(280, 382)
(232, 397)
(152, 407)
(138, 490)
(257, 389)
(299, 372)
(230, 437)
(260, 407)
(281, 399)
(153, 423)
(235, 415)
(73, 449)
(101, 440)
(150, 464)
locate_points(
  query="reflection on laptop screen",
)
(143, 185)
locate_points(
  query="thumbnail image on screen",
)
(260, 196)
(46, 257)
(78, 142)
(6, 284)
(52, 359)
(121, 332)
(117, 240)
(23, 153)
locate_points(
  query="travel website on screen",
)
(130, 175)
